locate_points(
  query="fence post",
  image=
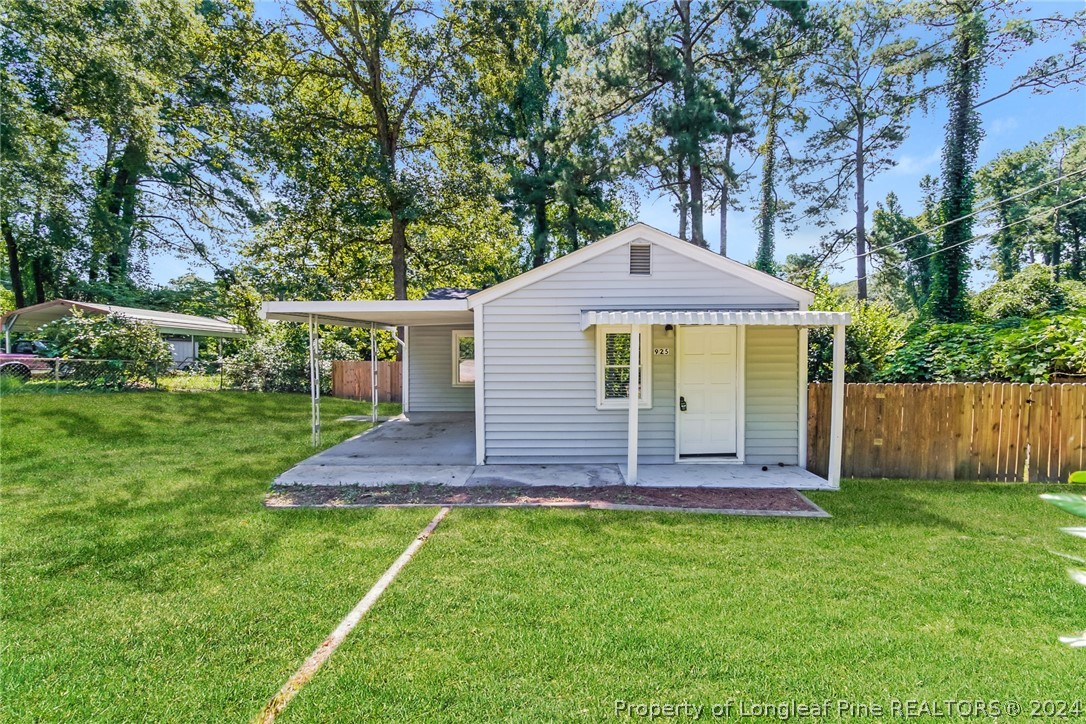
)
(56, 375)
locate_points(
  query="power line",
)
(982, 209)
(987, 233)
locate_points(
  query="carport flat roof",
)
(396, 313)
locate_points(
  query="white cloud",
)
(909, 165)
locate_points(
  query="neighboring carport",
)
(169, 324)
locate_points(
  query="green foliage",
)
(277, 360)
(108, 337)
(1075, 505)
(866, 87)
(1033, 292)
(1028, 191)
(876, 333)
(903, 251)
(7, 300)
(126, 124)
(1010, 350)
(965, 63)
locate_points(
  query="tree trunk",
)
(950, 266)
(767, 212)
(37, 267)
(122, 205)
(861, 214)
(573, 220)
(13, 266)
(539, 233)
(693, 152)
(697, 224)
(399, 256)
(725, 194)
(684, 200)
(1056, 248)
(1075, 272)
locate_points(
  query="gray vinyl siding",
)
(772, 395)
(430, 365)
(540, 378)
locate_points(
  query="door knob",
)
(682, 403)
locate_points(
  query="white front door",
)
(708, 389)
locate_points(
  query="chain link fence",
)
(70, 375)
(108, 375)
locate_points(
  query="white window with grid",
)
(613, 368)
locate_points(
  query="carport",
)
(391, 316)
(174, 326)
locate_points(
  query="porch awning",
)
(388, 314)
(695, 317)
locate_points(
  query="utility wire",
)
(987, 233)
(982, 209)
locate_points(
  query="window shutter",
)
(640, 259)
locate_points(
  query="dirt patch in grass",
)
(731, 500)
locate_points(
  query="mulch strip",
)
(735, 501)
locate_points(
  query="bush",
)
(1030, 294)
(277, 360)
(111, 337)
(876, 331)
(1009, 350)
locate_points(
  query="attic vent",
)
(640, 259)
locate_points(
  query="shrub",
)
(1010, 350)
(135, 348)
(876, 331)
(1032, 293)
(277, 360)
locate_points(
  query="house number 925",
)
(662, 350)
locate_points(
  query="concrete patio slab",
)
(570, 476)
(376, 476)
(727, 475)
(439, 449)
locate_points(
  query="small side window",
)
(463, 354)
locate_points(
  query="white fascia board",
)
(333, 308)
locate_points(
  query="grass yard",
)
(142, 579)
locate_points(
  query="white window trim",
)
(457, 335)
(645, 403)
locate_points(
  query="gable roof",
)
(651, 234)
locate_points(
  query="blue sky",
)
(1009, 123)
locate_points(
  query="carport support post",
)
(837, 405)
(314, 381)
(373, 374)
(633, 395)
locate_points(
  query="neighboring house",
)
(545, 360)
(180, 331)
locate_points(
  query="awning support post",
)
(373, 374)
(633, 395)
(314, 380)
(837, 405)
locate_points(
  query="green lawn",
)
(142, 579)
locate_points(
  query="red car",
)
(25, 359)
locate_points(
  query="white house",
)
(716, 350)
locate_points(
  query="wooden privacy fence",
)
(351, 379)
(954, 431)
